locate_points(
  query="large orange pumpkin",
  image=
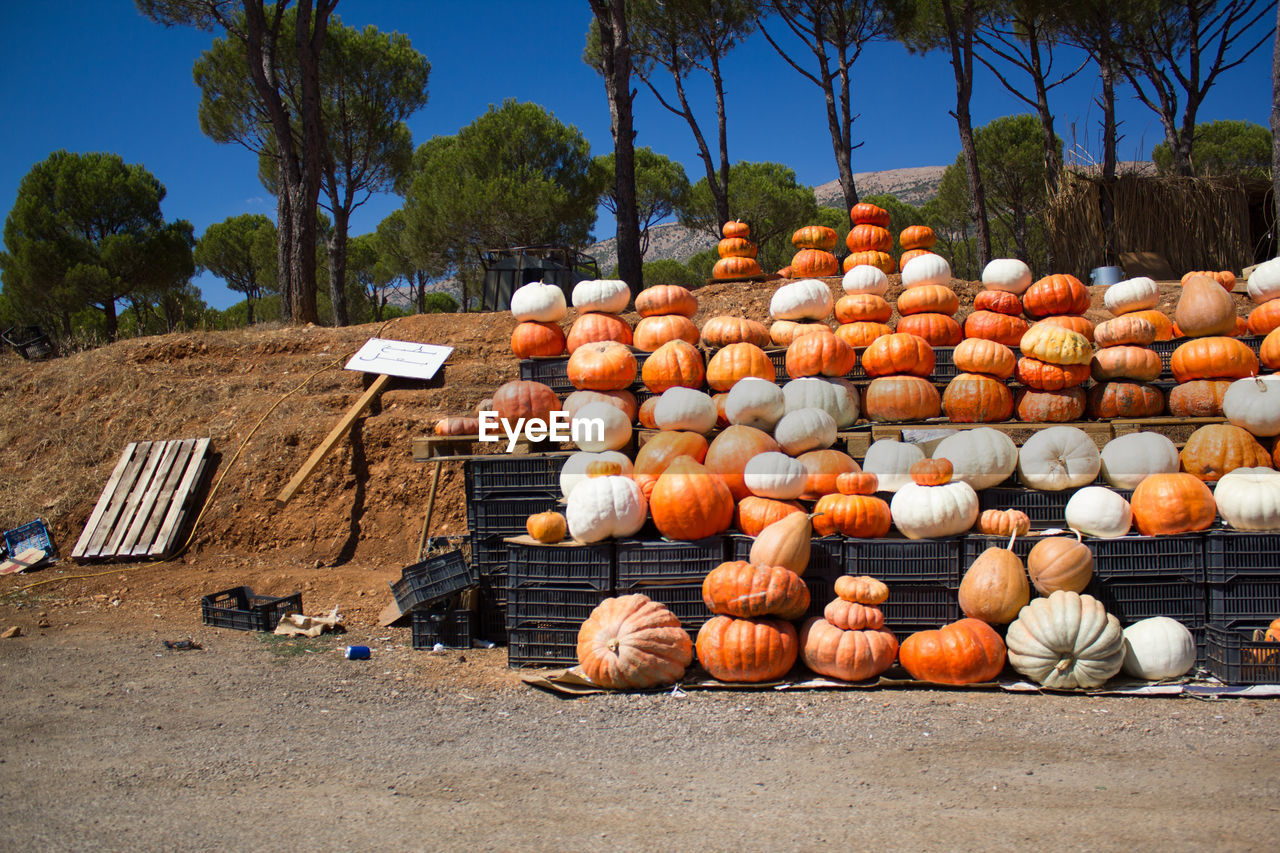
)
(1214, 450)
(531, 338)
(898, 354)
(998, 301)
(815, 237)
(860, 516)
(1049, 406)
(740, 589)
(1265, 319)
(823, 470)
(901, 398)
(869, 214)
(814, 263)
(1124, 400)
(596, 327)
(1163, 325)
(731, 450)
(940, 330)
(736, 247)
(965, 652)
(916, 237)
(1135, 363)
(863, 333)
(862, 308)
(735, 228)
(1005, 329)
(974, 398)
(1213, 358)
(869, 238)
(632, 643)
(1199, 398)
(524, 398)
(1043, 376)
(990, 358)
(929, 298)
(882, 261)
(1167, 504)
(666, 299)
(721, 331)
(652, 332)
(602, 366)
(688, 503)
(820, 355)
(1056, 294)
(846, 655)
(747, 650)
(657, 454)
(735, 268)
(737, 361)
(753, 513)
(675, 363)
(783, 332)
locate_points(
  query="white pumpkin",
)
(1264, 283)
(926, 269)
(805, 429)
(1058, 458)
(1135, 294)
(574, 470)
(1127, 460)
(891, 462)
(981, 457)
(775, 475)
(865, 278)
(539, 302)
(928, 512)
(1008, 274)
(836, 397)
(685, 409)
(1065, 641)
(806, 299)
(1254, 404)
(1158, 648)
(1098, 511)
(600, 426)
(604, 507)
(1249, 498)
(601, 295)
(755, 402)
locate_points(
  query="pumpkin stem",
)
(1079, 536)
(1064, 665)
(612, 645)
(1012, 536)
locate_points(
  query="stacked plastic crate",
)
(551, 590)
(923, 576)
(670, 573)
(430, 590)
(1243, 574)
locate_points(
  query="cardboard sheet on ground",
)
(29, 558)
(297, 625)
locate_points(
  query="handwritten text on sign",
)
(399, 358)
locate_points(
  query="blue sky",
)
(94, 75)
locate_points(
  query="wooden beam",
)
(335, 435)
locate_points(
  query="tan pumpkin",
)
(1049, 406)
(861, 589)
(846, 655)
(987, 357)
(852, 616)
(547, 527)
(1215, 450)
(1204, 308)
(786, 543)
(1059, 562)
(721, 331)
(1129, 330)
(633, 643)
(994, 587)
(1199, 398)
(1126, 362)
(784, 332)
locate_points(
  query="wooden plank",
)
(135, 498)
(185, 505)
(335, 435)
(148, 504)
(123, 487)
(855, 443)
(165, 497)
(104, 500)
(195, 465)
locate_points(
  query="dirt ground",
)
(111, 741)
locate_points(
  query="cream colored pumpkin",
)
(807, 299)
(600, 426)
(685, 409)
(836, 397)
(1264, 283)
(601, 295)
(755, 402)
(604, 507)
(891, 462)
(574, 469)
(1007, 274)
(538, 302)
(775, 475)
(1065, 641)
(1249, 498)
(926, 269)
(1158, 648)
(865, 278)
(928, 512)
(805, 429)
(981, 457)
(1058, 458)
(1056, 345)
(1098, 511)
(1254, 404)
(1135, 294)
(1127, 460)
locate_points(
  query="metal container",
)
(1106, 276)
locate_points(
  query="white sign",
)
(399, 358)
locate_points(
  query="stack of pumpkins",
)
(599, 303)
(813, 258)
(1059, 300)
(849, 641)
(1205, 365)
(979, 393)
(915, 240)
(997, 309)
(863, 311)
(750, 638)
(665, 315)
(1123, 367)
(927, 304)
(799, 308)
(1056, 352)
(1264, 289)
(899, 364)
(869, 240)
(737, 253)
(538, 308)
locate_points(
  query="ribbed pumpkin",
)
(916, 237)
(859, 516)
(1204, 309)
(899, 354)
(595, 328)
(735, 228)
(1001, 328)
(531, 338)
(1124, 400)
(753, 514)
(965, 652)
(1124, 362)
(882, 261)
(973, 398)
(901, 398)
(1265, 319)
(998, 301)
(1056, 345)
(929, 298)
(1168, 504)
(633, 643)
(666, 299)
(910, 255)
(1225, 278)
(861, 589)
(1269, 353)
(660, 451)
(994, 587)
(940, 330)
(1049, 406)
(1043, 376)
(736, 361)
(990, 358)
(747, 650)
(784, 543)
(731, 450)
(1056, 294)
(1129, 330)
(1003, 522)
(652, 332)
(735, 268)
(1060, 562)
(736, 247)
(675, 363)
(820, 355)
(458, 426)
(1217, 449)
(721, 331)
(861, 334)
(602, 365)
(869, 214)
(688, 503)
(1199, 398)
(846, 655)
(862, 308)
(1213, 358)
(1158, 319)
(646, 414)
(740, 589)
(815, 237)
(852, 616)
(814, 263)
(783, 332)
(869, 238)
(524, 398)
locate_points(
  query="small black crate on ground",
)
(683, 599)
(529, 604)
(918, 606)
(507, 514)
(532, 562)
(30, 342)
(432, 579)
(1234, 657)
(552, 372)
(542, 645)
(1144, 556)
(905, 560)
(241, 609)
(826, 553)
(1229, 554)
(1045, 509)
(502, 474)
(451, 629)
(640, 560)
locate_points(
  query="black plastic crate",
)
(683, 599)
(826, 554)
(552, 604)
(1146, 556)
(451, 629)
(1246, 599)
(505, 474)
(552, 372)
(492, 621)
(494, 586)
(1165, 350)
(488, 554)
(919, 606)
(640, 560)
(1132, 598)
(431, 580)
(570, 563)
(905, 560)
(821, 592)
(944, 364)
(1229, 554)
(1236, 658)
(507, 514)
(241, 609)
(30, 342)
(1045, 509)
(542, 645)
(33, 534)
(779, 359)
(976, 543)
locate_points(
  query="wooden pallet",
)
(1177, 430)
(1099, 431)
(146, 502)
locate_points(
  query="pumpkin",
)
(861, 516)
(1124, 362)
(645, 415)
(1083, 325)
(1158, 648)
(784, 543)
(820, 355)
(910, 255)
(721, 331)
(898, 354)
(735, 228)
(998, 301)
(1060, 562)
(623, 400)
(458, 426)
(1214, 449)
(965, 652)
(755, 403)
(805, 429)
(810, 263)
(597, 427)
(1066, 641)
(862, 308)
(1003, 522)
(848, 655)
(729, 452)
(530, 339)
(1135, 294)
(931, 512)
(815, 237)
(597, 328)
(861, 589)
(1168, 504)
(1129, 459)
(747, 650)
(740, 589)
(973, 398)
(652, 332)
(688, 504)
(1204, 308)
(982, 457)
(987, 357)
(1254, 404)
(1058, 458)
(862, 334)
(1043, 376)
(1098, 511)
(1124, 400)
(775, 475)
(1001, 328)
(1008, 274)
(807, 299)
(574, 469)
(857, 483)
(1056, 294)
(866, 237)
(939, 330)
(675, 363)
(633, 643)
(602, 366)
(602, 507)
(736, 247)
(524, 398)
(737, 361)
(538, 302)
(1213, 358)
(736, 268)
(882, 261)
(901, 398)
(866, 279)
(1264, 319)
(1124, 331)
(994, 587)
(932, 472)
(1225, 278)
(682, 408)
(666, 299)
(869, 214)
(1056, 345)
(547, 527)
(929, 298)
(891, 462)
(1158, 319)
(836, 397)
(753, 514)
(784, 332)
(916, 237)
(1263, 283)
(1241, 329)
(1199, 398)
(926, 269)
(605, 296)
(660, 451)
(1049, 406)
(823, 471)
(1249, 498)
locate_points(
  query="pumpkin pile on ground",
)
(899, 365)
(849, 641)
(1054, 364)
(737, 253)
(870, 240)
(997, 309)
(750, 638)
(927, 304)
(813, 257)
(538, 308)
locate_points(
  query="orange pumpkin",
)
(861, 334)
(1265, 319)
(737, 361)
(666, 299)
(824, 469)
(1241, 329)
(901, 398)
(973, 398)
(652, 332)
(1124, 400)
(645, 415)
(1168, 504)
(857, 483)
(1125, 331)
(869, 238)
(929, 298)
(1043, 376)
(998, 301)
(1005, 329)
(989, 358)
(595, 328)
(898, 354)
(846, 655)
(547, 527)
(621, 399)
(852, 616)
(1213, 358)
(1226, 278)
(1214, 450)
(735, 268)
(917, 237)
(602, 366)
(657, 454)
(735, 228)
(965, 652)
(675, 363)
(458, 426)
(1163, 325)
(869, 214)
(731, 450)
(722, 417)
(736, 247)
(524, 398)
(1269, 353)
(932, 472)
(814, 263)
(1003, 522)
(882, 261)
(737, 588)
(860, 516)
(722, 331)
(820, 355)
(1069, 321)
(783, 332)
(531, 338)
(1200, 398)
(631, 643)
(940, 330)
(861, 589)
(747, 650)
(753, 513)
(815, 237)
(1049, 406)
(686, 503)
(1056, 294)
(910, 255)
(1135, 363)
(863, 308)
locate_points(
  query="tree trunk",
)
(248, 303)
(309, 40)
(1106, 204)
(284, 253)
(961, 39)
(337, 252)
(302, 260)
(1052, 158)
(422, 291)
(722, 130)
(1275, 124)
(113, 323)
